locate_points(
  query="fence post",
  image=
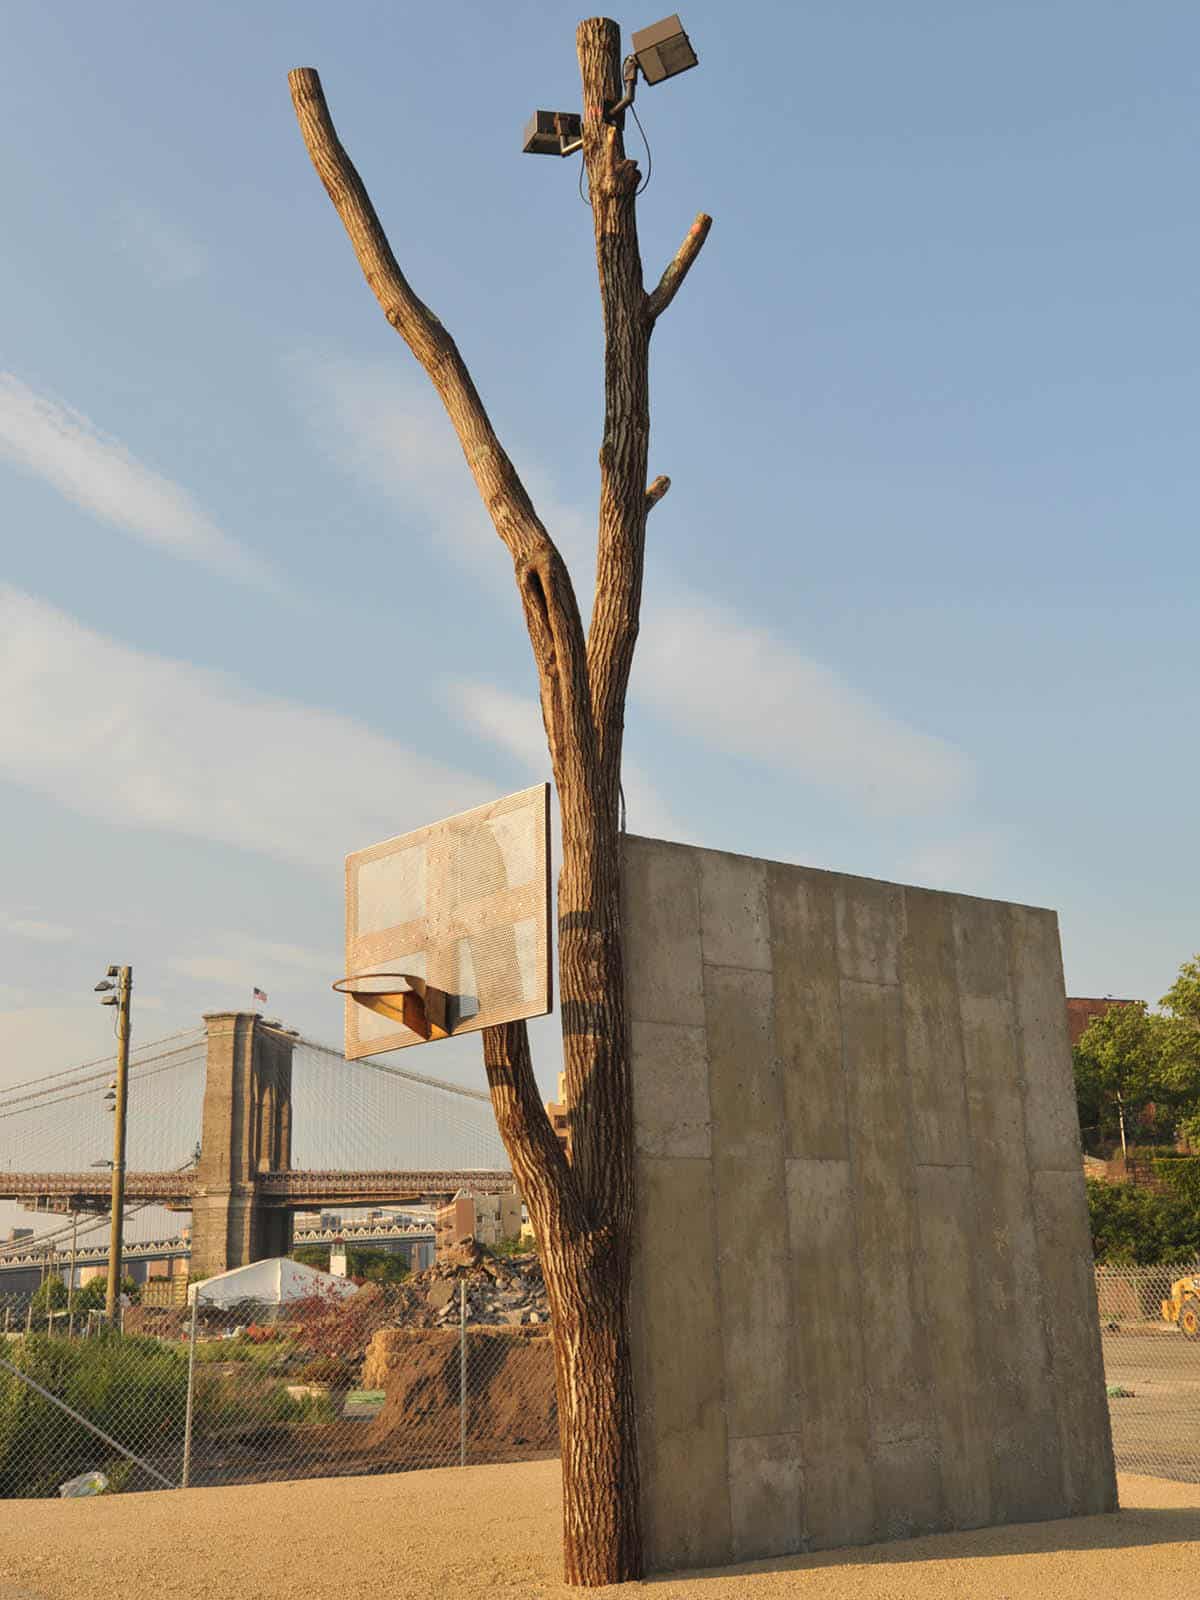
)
(462, 1372)
(29, 1319)
(191, 1389)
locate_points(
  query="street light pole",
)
(71, 1278)
(124, 995)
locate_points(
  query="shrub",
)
(337, 1371)
(134, 1389)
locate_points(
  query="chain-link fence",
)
(1150, 1332)
(199, 1394)
(338, 1385)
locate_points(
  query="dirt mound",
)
(511, 1407)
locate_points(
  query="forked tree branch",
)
(547, 597)
(544, 1177)
(681, 264)
(542, 575)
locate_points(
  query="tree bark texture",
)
(582, 1210)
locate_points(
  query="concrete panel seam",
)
(730, 966)
(930, 1425)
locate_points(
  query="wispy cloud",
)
(968, 862)
(514, 723)
(741, 690)
(96, 472)
(240, 960)
(164, 251)
(382, 423)
(144, 741)
(709, 672)
(31, 928)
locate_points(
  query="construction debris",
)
(501, 1291)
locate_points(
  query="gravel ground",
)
(1156, 1425)
(493, 1531)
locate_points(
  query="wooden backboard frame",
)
(424, 940)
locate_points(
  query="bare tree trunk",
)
(582, 1211)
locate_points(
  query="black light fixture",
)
(660, 51)
(553, 133)
(663, 50)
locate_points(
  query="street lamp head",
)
(109, 1000)
(552, 133)
(103, 986)
(663, 50)
(114, 972)
(102, 1163)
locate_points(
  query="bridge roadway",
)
(27, 1254)
(289, 1190)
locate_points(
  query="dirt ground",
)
(480, 1532)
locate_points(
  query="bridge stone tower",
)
(247, 1130)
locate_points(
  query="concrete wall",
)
(863, 1302)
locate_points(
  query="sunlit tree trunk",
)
(582, 1210)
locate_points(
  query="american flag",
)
(260, 997)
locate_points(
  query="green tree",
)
(93, 1294)
(376, 1266)
(1181, 1047)
(51, 1296)
(371, 1266)
(1120, 1066)
(1134, 1226)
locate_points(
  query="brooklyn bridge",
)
(240, 1123)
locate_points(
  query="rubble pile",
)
(502, 1291)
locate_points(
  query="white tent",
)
(275, 1282)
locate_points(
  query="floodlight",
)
(663, 50)
(109, 999)
(102, 1163)
(553, 133)
(113, 972)
(110, 1095)
(102, 986)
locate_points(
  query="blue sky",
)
(920, 603)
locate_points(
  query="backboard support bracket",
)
(419, 1007)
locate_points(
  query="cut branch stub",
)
(656, 491)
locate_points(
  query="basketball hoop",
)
(418, 1006)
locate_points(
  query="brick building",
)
(486, 1218)
(1081, 1011)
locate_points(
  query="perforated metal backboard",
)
(462, 905)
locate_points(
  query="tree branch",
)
(502, 491)
(550, 604)
(543, 1175)
(672, 279)
(656, 491)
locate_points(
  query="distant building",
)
(486, 1218)
(1081, 1011)
(559, 1114)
